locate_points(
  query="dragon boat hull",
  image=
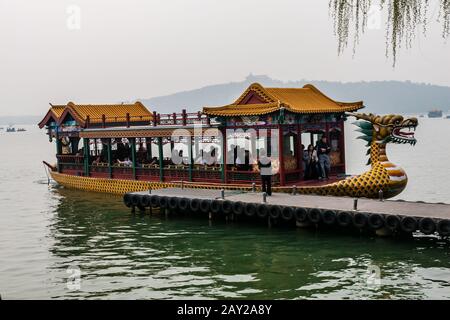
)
(123, 186)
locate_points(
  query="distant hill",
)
(13, 120)
(378, 96)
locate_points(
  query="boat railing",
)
(176, 119)
(70, 159)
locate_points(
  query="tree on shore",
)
(404, 19)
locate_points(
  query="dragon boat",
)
(121, 148)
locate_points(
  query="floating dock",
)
(384, 217)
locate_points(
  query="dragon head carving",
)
(388, 128)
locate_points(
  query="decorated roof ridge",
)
(314, 88)
(245, 109)
(114, 112)
(53, 113)
(311, 100)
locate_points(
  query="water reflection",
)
(141, 256)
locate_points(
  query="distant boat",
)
(435, 114)
(448, 117)
(11, 129)
(21, 130)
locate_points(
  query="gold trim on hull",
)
(120, 187)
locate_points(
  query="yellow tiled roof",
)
(54, 113)
(113, 112)
(57, 110)
(298, 100)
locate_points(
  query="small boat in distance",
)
(21, 130)
(10, 129)
(435, 113)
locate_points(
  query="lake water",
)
(47, 232)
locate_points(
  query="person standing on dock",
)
(323, 150)
(265, 169)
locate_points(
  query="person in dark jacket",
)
(265, 169)
(323, 150)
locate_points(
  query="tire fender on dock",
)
(163, 202)
(443, 227)
(195, 204)
(360, 220)
(301, 214)
(344, 218)
(408, 224)
(375, 221)
(328, 217)
(238, 208)
(183, 204)
(227, 207)
(173, 203)
(145, 201)
(262, 210)
(205, 205)
(392, 222)
(427, 226)
(127, 200)
(250, 209)
(314, 215)
(287, 213)
(154, 201)
(135, 200)
(216, 206)
(274, 211)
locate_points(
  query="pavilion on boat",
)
(127, 141)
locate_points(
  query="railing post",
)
(109, 158)
(86, 150)
(184, 116)
(58, 153)
(128, 120)
(161, 162)
(281, 154)
(133, 156)
(191, 164)
(155, 118)
(148, 142)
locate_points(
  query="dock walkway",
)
(398, 215)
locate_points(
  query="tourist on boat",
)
(127, 162)
(304, 157)
(97, 161)
(265, 169)
(323, 150)
(312, 161)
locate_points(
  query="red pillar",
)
(299, 153)
(224, 154)
(280, 154)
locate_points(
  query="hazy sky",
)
(128, 49)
